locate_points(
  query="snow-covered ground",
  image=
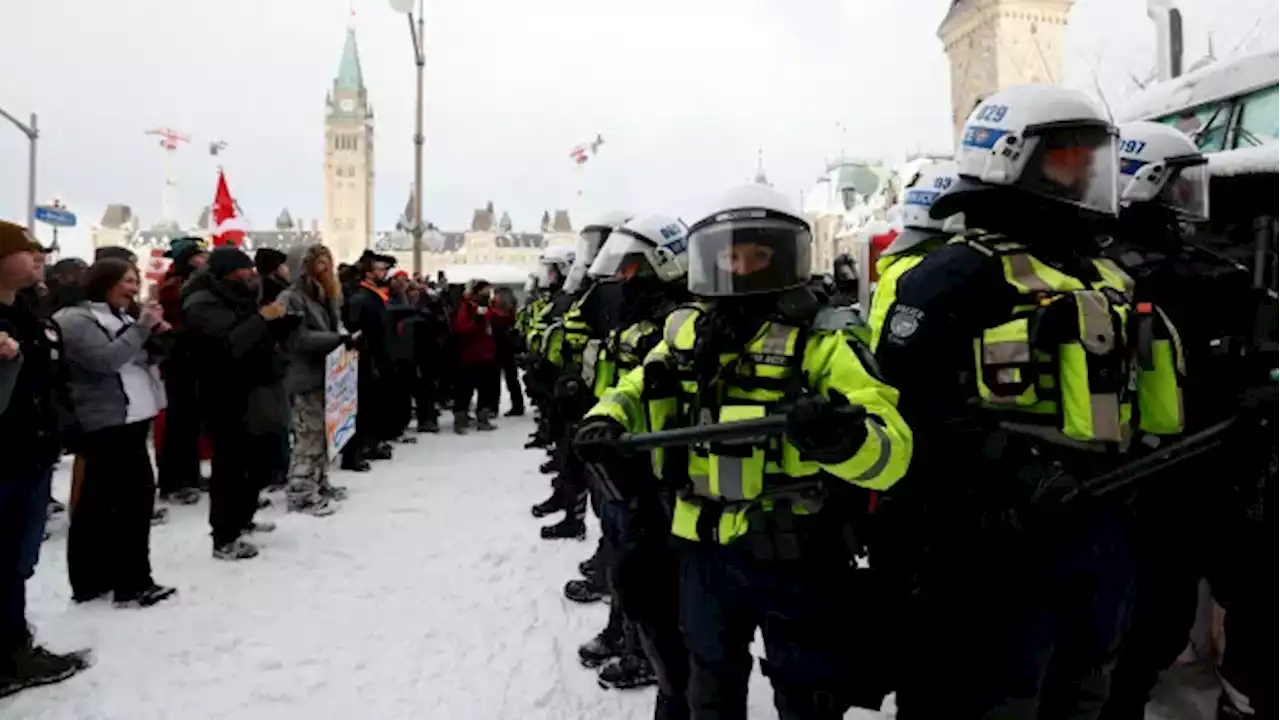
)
(429, 595)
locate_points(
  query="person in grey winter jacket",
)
(315, 299)
(115, 392)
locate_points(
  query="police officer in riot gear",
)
(755, 547)
(921, 235)
(593, 313)
(1012, 349)
(648, 259)
(1164, 182)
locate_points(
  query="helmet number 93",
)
(992, 113)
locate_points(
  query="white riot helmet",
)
(1043, 140)
(929, 182)
(756, 242)
(1158, 164)
(554, 265)
(590, 240)
(655, 247)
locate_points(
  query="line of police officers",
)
(947, 506)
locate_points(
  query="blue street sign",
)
(56, 217)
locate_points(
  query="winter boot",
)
(185, 496)
(235, 550)
(32, 666)
(57, 507)
(568, 528)
(548, 506)
(145, 597)
(429, 426)
(380, 451)
(460, 422)
(588, 567)
(627, 672)
(356, 465)
(548, 467)
(483, 418)
(260, 526)
(515, 412)
(159, 516)
(407, 440)
(584, 591)
(600, 649)
(334, 492)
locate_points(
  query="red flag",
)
(227, 228)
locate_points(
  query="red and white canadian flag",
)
(228, 228)
(157, 265)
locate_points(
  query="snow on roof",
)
(494, 274)
(1245, 161)
(1222, 79)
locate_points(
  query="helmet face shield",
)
(748, 256)
(623, 257)
(1187, 191)
(1074, 164)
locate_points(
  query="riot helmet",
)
(1046, 141)
(1160, 165)
(754, 243)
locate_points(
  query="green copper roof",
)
(349, 75)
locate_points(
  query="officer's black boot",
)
(585, 591)
(548, 467)
(571, 527)
(548, 506)
(628, 672)
(602, 648)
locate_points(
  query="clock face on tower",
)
(347, 105)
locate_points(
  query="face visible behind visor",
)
(1043, 140)
(653, 248)
(1158, 164)
(590, 240)
(758, 244)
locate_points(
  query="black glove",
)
(596, 441)
(826, 431)
(351, 342)
(568, 387)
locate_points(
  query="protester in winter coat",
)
(506, 344)
(274, 276)
(63, 283)
(477, 359)
(234, 344)
(29, 421)
(178, 451)
(428, 345)
(403, 315)
(316, 298)
(367, 314)
(273, 272)
(116, 391)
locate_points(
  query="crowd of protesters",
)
(223, 360)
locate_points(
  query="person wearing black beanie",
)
(273, 271)
(236, 350)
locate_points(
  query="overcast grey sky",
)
(683, 92)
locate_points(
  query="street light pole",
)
(421, 60)
(33, 133)
(417, 35)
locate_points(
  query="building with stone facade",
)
(993, 44)
(348, 159)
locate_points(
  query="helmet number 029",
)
(992, 113)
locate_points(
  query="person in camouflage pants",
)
(315, 297)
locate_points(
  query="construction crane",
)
(169, 142)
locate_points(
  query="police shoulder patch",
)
(905, 321)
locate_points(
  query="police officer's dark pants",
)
(424, 393)
(646, 584)
(1167, 569)
(726, 593)
(24, 508)
(1024, 624)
